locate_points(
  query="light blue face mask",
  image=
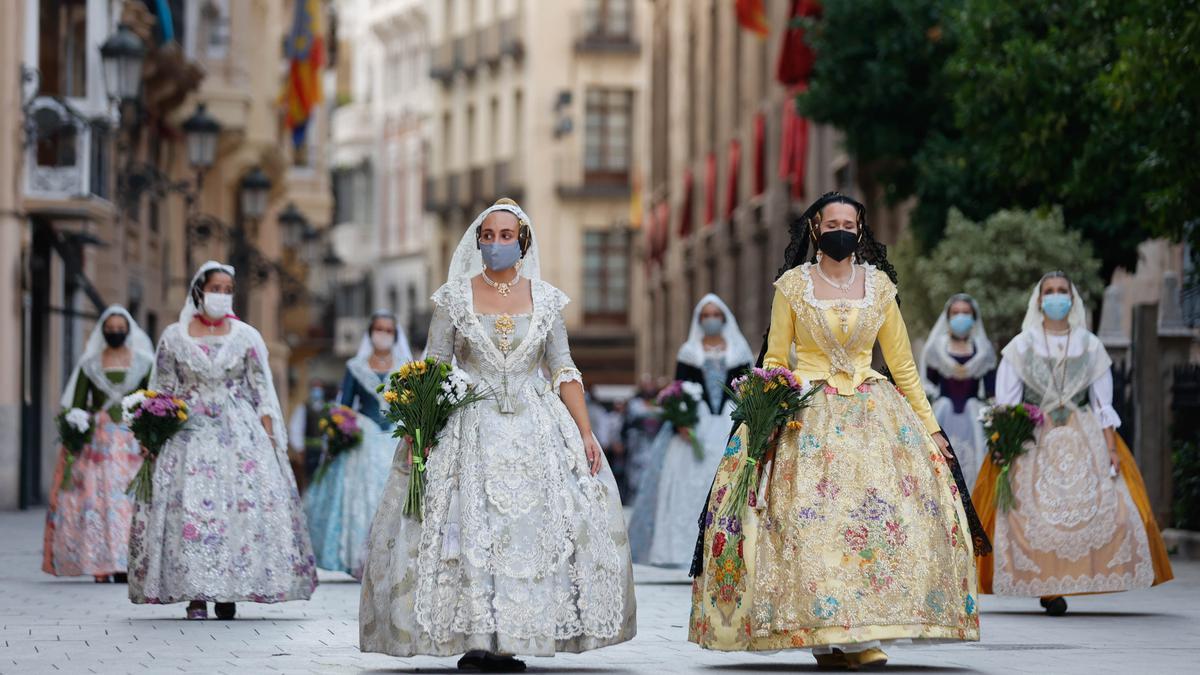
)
(961, 324)
(712, 326)
(500, 257)
(1056, 307)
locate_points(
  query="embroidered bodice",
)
(834, 339)
(537, 359)
(961, 389)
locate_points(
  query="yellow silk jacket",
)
(833, 339)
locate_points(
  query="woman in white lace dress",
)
(673, 489)
(522, 546)
(225, 523)
(1082, 522)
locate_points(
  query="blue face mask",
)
(316, 395)
(500, 257)
(1056, 307)
(961, 324)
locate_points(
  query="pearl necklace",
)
(841, 287)
(502, 287)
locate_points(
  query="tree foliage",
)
(1020, 247)
(983, 105)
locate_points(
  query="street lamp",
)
(123, 54)
(313, 246)
(295, 225)
(201, 131)
(255, 189)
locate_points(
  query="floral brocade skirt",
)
(87, 526)
(860, 536)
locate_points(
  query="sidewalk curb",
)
(1183, 544)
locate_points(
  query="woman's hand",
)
(943, 445)
(594, 452)
(1114, 461)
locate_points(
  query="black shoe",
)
(472, 660)
(493, 663)
(226, 611)
(1055, 607)
(120, 578)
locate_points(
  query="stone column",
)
(12, 229)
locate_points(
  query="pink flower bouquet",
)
(764, 400)
(153, 417)
(339, 428)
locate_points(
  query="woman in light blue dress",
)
(341, 503)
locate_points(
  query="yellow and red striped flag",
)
(306, 56)
(753, 16)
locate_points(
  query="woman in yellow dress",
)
(860, 536)
(1081, 522)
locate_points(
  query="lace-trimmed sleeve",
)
(558, 356)
(440, 345)
(164, 375)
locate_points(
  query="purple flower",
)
(1035, 414)
(191, 532)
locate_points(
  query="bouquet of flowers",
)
(764, 400)
(1009, 428)
(75, 431)
(679, 404)
(420, 398)
(153, 417)
(339, 425)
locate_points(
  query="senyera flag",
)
(306, 56)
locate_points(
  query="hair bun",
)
(505, 201)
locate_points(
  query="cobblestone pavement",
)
(50, 625)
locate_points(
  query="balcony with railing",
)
(608, 28)
(68, 155)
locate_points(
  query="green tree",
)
(997, 261)
(878, 77)
(983, 105)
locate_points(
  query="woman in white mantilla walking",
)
(342, 501)
(673, 489)
(225, 523)
(522, 547)
(958, 367)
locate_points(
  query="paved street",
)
(50, 625)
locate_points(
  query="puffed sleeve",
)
(558, 356)
(165, 376)
(440, 345)
(897, 352)
(781, 334)
(1010, 390)
(1100, 396)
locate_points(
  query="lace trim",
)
(114, 392)
(810, 296)
(564, 375)
(796, 286)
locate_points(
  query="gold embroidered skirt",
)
(861, 536)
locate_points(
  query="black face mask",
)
(115, 340)
(838, 244)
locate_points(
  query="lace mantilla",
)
(115, 391)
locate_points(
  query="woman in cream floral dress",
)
(860, 537)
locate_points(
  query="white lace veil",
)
(1077, 318)
(737, 350)
(139, 344)
(1057, 386)
(189, 306)
(936, 353)
(468, 261)
(401, 351)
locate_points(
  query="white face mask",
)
(382, 340)
(218, 305)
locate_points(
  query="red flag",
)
(752, 16)
(796, 57)
(731, 188)
(760, 150)
(685, 209)
(793, 155)
(710, 188)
